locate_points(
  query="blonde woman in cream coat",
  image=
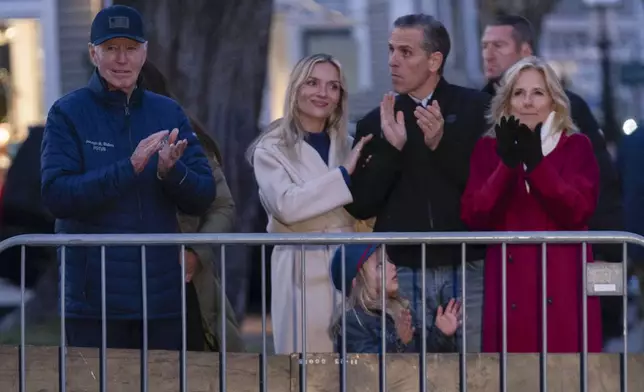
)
(303, 164)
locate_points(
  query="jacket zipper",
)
(431, 215)
(132, 148)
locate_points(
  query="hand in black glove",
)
(506, 139)
(529, 146)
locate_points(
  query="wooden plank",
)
(403, 373)
(124, 371)
(323, 372)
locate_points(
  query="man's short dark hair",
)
(522, 31)
(435, 35)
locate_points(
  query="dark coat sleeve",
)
(21, 201)
(364, 335)
(373, 178)
(67, 190)
(631, 165)
(22, 212)
(453, 151)
(609, 212)
(437, 341)
(190, 182)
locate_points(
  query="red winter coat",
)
(563, 194)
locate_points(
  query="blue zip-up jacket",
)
(364, 335)
(89, 185)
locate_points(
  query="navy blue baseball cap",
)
(354, 257)
(117, 21)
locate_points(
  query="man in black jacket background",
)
(509, 39)
(22, 212)
(418, 164)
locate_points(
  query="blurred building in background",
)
(43, 52)
(570, 40)
(43, 55)
(356, 32)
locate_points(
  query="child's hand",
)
(404, 327)
(450, 319)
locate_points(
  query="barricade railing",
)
(302, 240)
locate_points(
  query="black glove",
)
(506, 139)
(529, 146)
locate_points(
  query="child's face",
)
(373, 268)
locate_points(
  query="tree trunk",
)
(214, 54)
(533, 10)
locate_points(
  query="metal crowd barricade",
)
(422, 239)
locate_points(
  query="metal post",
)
(223, 349)
(144, 297)
(183, 381)
(463, 356)
(383, 320)
(343, 367)
(62, 379)
(264, 367)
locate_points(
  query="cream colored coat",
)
(302, 194)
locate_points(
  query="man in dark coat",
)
(22, 212)
(630, 163)
(418, 164)
(507, 40)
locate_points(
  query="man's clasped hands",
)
(165, 143)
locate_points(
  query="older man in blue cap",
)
(119, 159)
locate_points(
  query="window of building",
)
(335, 5)
(21, 77)
(341, 44)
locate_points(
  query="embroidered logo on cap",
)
(119, 22)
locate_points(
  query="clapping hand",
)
(354, 155)
(170, 153)
(191, 263)
(529, 146)
(506, 140)
(431, 122)
(404, 327)
(393, 126)
(145, 149)
(449, 319)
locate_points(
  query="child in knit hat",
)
(364, 308)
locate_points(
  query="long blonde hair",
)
(289, 127)
(368, 299)
(500, 106)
